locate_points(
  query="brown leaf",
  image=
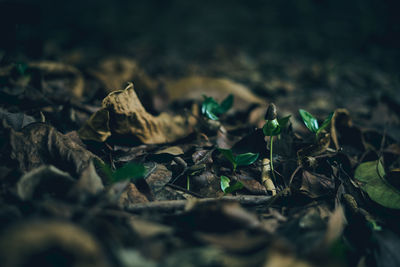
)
(131, 195)
(316, 185)
(89, 184)
(127, 117)
(43, 182)
(40, 144)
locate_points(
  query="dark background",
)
(193, 29)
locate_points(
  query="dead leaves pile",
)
(57, 197)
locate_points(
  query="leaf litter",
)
(157, 181)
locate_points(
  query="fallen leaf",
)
(40, 144)
(131, 195)
(316, 185)
(371, 174)
(89, 184)
(123, 113)
(45, 181)
(16, 120)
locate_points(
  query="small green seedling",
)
(273, 127)
(312, 124)
(239, 160)
(227, 187)
(132, 171)
(211, 109)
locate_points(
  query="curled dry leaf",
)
(123, 114)
(44, 181)
(316, 185)
(40, 144)
(194, 87)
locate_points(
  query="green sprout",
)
(130, 171)
(312, 123)
(272, 128)
(227, 187)
(239, 160)
(212, 109)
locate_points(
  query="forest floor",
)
(121, 160)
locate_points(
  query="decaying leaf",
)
(124, 115)
(89, 184)
(131, 195)
(40, 144)
(16, 120)
(194, 87)
(316, 185)
(43, 182)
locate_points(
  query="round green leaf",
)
(371, 174)
(246, 159)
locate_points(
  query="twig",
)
(174, 205)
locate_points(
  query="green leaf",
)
(227, 188)
(326, 122)
(371, 174)
(271, 128)
(236, 186)
(226, 104)
(283, 122)
(224, 183)
(129, 171)
(309, 120)
(209, 108)
(246, 159)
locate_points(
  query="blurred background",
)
(194, 30)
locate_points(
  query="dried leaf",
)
(131, 195)
(16, 120)
(89, 184)
(127, 117)
(43, 182)
(40, 144)
(316, 185)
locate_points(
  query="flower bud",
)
(271, 112)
